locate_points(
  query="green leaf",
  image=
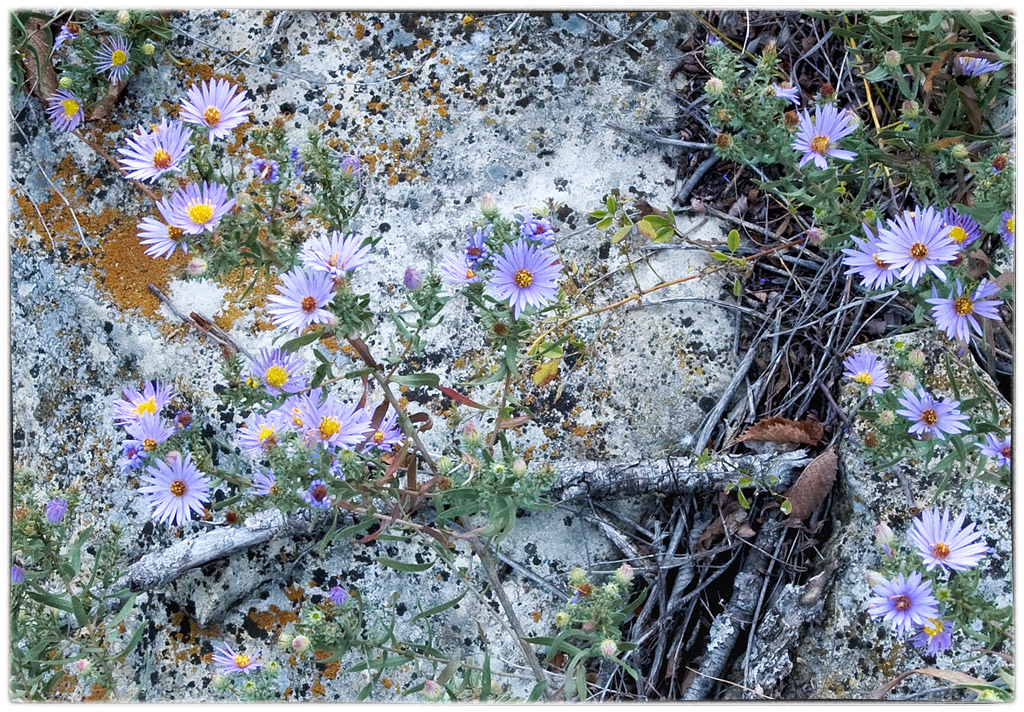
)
(720, 256)
(123, 613)
(733, 240)
(744, 502)
(415, 380)
(581, 682)
(603, 224)
(75, 552)
(610, 204)
(134, 641)
(485, 678)
(737, 287)
(300, 341)
(431, 612)
(403, 566)
(538, 691)
(620, 234)
(598, 214)
(786, 506)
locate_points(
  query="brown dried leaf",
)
(813, 485)
(784, 430)
(953, 676)
(103, 107)
(45, 85)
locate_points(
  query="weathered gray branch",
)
(674, 475)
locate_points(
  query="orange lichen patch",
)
(535, 615)
(360, 31)
(386, 682)
(294, 593)
(66, 684)
(272, 620)
(317, 688)
(442, 111)
(97, 694)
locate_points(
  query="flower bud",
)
(488, 205)
(911, 108)
(471, 434)
(588, 625)
(65, 82)
(884, 536)
(875, 579)
(827, 91)
(519, 467)
(412, 279)
(444, 465)
(350, 165)
(917, 357)
(561, 619)
(431, 689)
(791, 118)
(196, 266)
(219, 681)
(714, 86)
(300, 644)
(723, 115)
(609, 648)
(723, 140)
(124, 17)
(815, 235)
(148, 49)
(998, 163)
(272, 667)
(624, 574)
(496, 688)
(284, 641)
(907, 379)
(886, 418)
(892, 58)
(577, 576)
(82, 666)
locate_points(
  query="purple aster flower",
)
(713, 40)
(316, 495)
(279, 371)
(865, 260)
(17, 574)
(65, 35)
(962, 228)
(216, 104)
(1006, 228)
(160, 237)
(456, 269)
(526, 276)
(56, 509)
(865, 368)
(952, 547)
(175, 490)
(350, 165)
(265, 170)
(330, 422)
(976, 66)
(303, 296)
(386, 436)
(261, 433)
(817, 138)
(148, 431)
(787, 91)
(999, 449)
(133, 405)
(64, 110)
(884, 536)
(537, 228)
(335, 255)
(412, 279)
(149, 155)
(113, 57)
(905, 603)
(917, 242)
(957, 314)
(476, 251)
(931, 417)
(338, 595)
(936, 635)
(132, 457)
(232, 663)
(337, 469)
(264, 483)
(297, 164)
(197, 209)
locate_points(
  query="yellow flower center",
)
(329, 427)
(309, 304)
(378, 437)
(819, 144)
(958, 234)
(963, 306)
(865, 378)
(296, 420)
(523, 278)
(919, 250)
(211, 116)
(265, 432)
(146, 406)
(333, 260)
(71, 108)
(940, 550)
(241, 660)
(276, 376)
(933, 627)
(179, 488)
(929, 416)
(175, 233)
(200, 213)
(470, 273)
(161, 159)
(118, 58)
(149, 444)
(1009, 221)
(879, 262)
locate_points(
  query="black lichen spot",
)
(401, 609)
(706, 404)
(254, 630)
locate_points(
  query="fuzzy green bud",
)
(300, 644)
(714, 86)
(892, 58)
(272, 667)
(959, 152)
(561, 619)
(148, 49)
(886, 418)
(907, 379)
(609, 648)
(624, 574)
(444, 465)
(519, 467)
(65, 83)
(347, 457)
(577, 576)
(219, 682)
(124, 17)
(431, 689)
(284, 641)
(911, 108)
(916, 358)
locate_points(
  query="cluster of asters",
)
(922, 243)
(908, 603)
(525, 273)
(927, 416)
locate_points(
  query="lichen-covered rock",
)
(851, 654)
